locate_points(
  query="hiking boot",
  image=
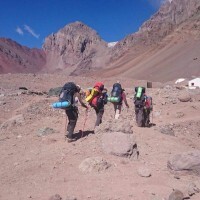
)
(69, 140)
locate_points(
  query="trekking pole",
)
(84, 123)
(152, 117)
(66, 128)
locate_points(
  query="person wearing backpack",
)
(143, 107)
(97, 99)
(71, 93)
(117, 97)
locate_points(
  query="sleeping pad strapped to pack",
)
(66, 97)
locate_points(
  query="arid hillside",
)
(117, 161)
(15, 58)
(165, 48)
(176, 56)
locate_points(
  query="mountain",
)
(75, 47)
(166, 47)
(15, 58)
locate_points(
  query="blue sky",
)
(29, 21)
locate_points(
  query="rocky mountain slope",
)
(15, 58)
(165, 21)
(76, 45)
(166, 47)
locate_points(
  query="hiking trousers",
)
(142, 116)
(117, 108)
(72, 115)
(147, 117)
(99, 114)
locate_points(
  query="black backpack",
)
(67, 92)
(117, 91)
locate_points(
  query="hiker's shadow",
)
(151, 125)
(83, 134)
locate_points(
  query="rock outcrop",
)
(167, 19)
(76, 45)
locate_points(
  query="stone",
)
(167, 130)
(94, 164)
(193, 189)
(45, 131)
(188, 161)
(185, 98)
(119, 144)
(180, 114)
(54, 91)
(55, 197)
(144, 172)
(176, 195)
(2, 103)
(23, 88)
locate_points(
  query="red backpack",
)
(99, 86)
(96, 101)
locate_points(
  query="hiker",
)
(97, 98)
(143, 107)
(71, 93)
(117, 97)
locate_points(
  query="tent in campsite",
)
(194, 83)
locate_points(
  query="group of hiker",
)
(96, 97)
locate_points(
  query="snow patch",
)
(112, 44)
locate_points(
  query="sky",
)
(28, 22)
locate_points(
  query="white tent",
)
(179, 80)
(194, 83)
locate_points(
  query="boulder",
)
(188, 161)
(95, 164)
(54, 91)
(119, 144)
(176, 195)
(185, 98)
